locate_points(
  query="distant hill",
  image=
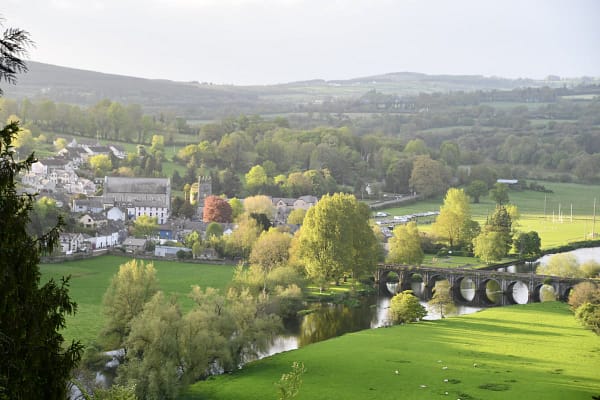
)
(204, 100)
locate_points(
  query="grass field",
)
(535, 351)
(539, 211)
(91, 277)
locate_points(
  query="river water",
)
(331, 320)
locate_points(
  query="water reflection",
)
(331, 320)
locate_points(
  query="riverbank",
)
(535, 351)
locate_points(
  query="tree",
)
(36, 363)
(428, 177)
(237, 207)
(151, 361)
(454, 214)
(241, 240)
(405, 245)
(216, 209)
(499, 193)
(564, 265)
(405, 307)
(296, 217)
(528, 244)
(590, 269)
(442, 299)
(336, 238)
(289, 384)
(256, 179)
(584, 292)
(476, 189)
(271, 249)
(145, 226)
(129, 290)
(489, 246)
(100, 164)
(589, 315)
(214, 229)
(260, 205)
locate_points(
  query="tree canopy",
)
(336, 238)
(405, 245)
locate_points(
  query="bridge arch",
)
(490, 291)
(517, 292)
(430, 280)
(544, 292)
(465, 289)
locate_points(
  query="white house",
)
(139, 196)
(103, 241)
(72, 242)
(169, 251)
(115, 214)
(305, 202)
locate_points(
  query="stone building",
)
(139, 196)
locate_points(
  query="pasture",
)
(535, 351)
(549, 214)
(90, 279)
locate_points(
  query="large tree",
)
(129, 290)
(336, 238)
(428, 177)
(454, 214)
(216, 209)
(405, 307)
(35, 361)
(405, 245)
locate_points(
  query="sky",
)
(246, 42)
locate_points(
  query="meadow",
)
(549, 214)
(90, 279)
(535, 351)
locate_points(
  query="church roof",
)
(136, 185)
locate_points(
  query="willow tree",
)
(336, 239)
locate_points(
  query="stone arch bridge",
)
(479, 288)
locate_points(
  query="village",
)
(107, 207)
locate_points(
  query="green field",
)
(535, 351)
(91, 277)
(553, 230)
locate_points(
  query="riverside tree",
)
(405, 307)
(36, 363)
(405, 245)
(336, 238)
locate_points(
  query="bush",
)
(405, 307)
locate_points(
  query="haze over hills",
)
(207, 100)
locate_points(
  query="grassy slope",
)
(535, 351)
(531, 206)
(90, 278)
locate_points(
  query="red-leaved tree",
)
(216, 209)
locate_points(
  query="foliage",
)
(405, 307)
(476, 189)
(489, 246)
(124, 299)
(589, 315)
(499, 193)
(584, 292)
(214, 229)
(590, 269)
(296, 217)
(216, 209)
(289, 384)
(442, 299)
(237, 207)
(145, 226)
(405, 245)
(528, 244)
(271, 249)
(259, 205)
(428, 176)
(240, 242)
(564, 265)
(36, 363)
(453, 217)
(336, 238)
(100, 164)
(256, 179)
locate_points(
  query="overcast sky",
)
(274, 41)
